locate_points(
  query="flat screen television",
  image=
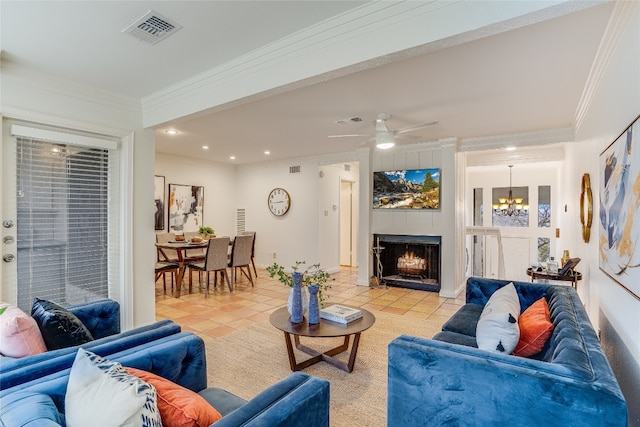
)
(407, 189)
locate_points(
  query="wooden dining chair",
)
(162, 268)
(166, 255)
(253, 250)
(241, 257)
(193, 255)
(215, 261)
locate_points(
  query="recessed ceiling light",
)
(205, 147)
(232, 157)
(510, 148)
(171, 132)
(267, 152)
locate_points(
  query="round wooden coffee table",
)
(325, 329)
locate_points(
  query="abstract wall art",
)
(186, 208)
(619, 215)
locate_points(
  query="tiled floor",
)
(223, 312)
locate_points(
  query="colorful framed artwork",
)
(407, 189)
(619, 216)
(186, 208)
(159, 199)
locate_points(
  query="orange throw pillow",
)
(535, 329)
(178, 406)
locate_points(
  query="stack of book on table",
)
(340, 313)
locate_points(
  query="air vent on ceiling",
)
(349, 120)
(294, 169)
(152, 28)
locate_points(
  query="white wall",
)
(614, 104)
(219, 182)
(294, 236)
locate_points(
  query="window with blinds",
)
(66, 221)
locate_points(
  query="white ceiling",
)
(526, 80)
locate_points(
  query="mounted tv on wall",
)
(407, 189)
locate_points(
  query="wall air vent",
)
(241, 216)
(347, 167)
(294, 169)
(152, 28)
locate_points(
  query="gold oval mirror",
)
(586, 207)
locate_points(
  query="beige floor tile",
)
(223, 312)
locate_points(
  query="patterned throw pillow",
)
(497, 329)
(101, 393)
(60, 328)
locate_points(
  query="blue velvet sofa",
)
(296, 400)
(102, 318)
(447, 380)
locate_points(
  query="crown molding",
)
(376, 33)
(15, 75)
(526, 139)
(527, 155)
(47, 119)
(622, 13)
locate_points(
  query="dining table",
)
(181, 249)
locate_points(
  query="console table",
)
(572, 276)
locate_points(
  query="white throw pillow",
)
(101, 393)
(497, 329)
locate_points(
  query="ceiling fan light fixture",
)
(384, 140)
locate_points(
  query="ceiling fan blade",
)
(381, 122)
(414, 127)
(367, 142)
(354, 135)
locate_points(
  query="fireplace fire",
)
(408, 261)
(411, 265)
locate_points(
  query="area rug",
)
(247, 361)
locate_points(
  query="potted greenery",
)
(206, 232)
(313, 275)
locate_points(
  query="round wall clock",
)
(279, 201)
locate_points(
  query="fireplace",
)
(407, 261)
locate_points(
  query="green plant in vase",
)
(313, 275)
(206, 232)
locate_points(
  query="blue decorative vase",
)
(295, 309)
(314, 308)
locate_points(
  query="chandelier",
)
(510, 206)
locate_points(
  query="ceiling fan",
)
(383, 137)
